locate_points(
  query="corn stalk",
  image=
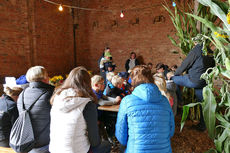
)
(216, 105)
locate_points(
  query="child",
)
(74, 125)
(173, 68)
(126, 86)
(150, 66)
(106, 118)
(116, 90)
(109, 77)
(98, 86)
(172, 88)
(106, 64)
(161, 84)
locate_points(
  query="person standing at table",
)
(74, 127)
(145, 121)
(131, 62)
(107, 65)
(102, 71)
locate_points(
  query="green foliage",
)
(209, 108)
(186, 112)
(186, 27)
(216, 105)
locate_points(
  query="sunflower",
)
(228, 17)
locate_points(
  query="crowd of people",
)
(66, 119)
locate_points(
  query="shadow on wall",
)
(140, 59)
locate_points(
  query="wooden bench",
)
(6, 150)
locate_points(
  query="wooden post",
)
(196, 5)
(31, 31)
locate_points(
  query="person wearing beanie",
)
(107, 65)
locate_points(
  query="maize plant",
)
(216, 105)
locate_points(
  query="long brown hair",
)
(79, 80)
(141, 74)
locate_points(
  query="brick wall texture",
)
(143, 30)
(34, 32)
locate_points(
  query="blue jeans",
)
(185, 81)
(104, 147)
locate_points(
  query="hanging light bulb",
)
(174, 4)
(60, 8)
(121, 15)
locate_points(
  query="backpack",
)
(22, 135)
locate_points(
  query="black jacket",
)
(127, 64)
(196, 64)
(90, 116)
(9, 108)
(40, 112)
(114, 92)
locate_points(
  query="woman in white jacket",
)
(73, 126)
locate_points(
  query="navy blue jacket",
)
(196, 64)
(8, 106)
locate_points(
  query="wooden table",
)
(112, 108)
(6, 150)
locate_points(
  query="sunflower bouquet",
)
(56, 80)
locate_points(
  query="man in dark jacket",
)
(195, 64)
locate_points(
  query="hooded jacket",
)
(73, 126)
(145, 121)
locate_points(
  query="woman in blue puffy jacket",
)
(145, 121)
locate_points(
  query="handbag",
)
(22, 135)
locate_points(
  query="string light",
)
(60, 8)
(122, 14)
(174, 4)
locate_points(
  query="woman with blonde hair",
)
(39, 90)
(8, 112)
(161, 84)
(74, 126)
(145, 121)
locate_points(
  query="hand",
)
(118, 99)
(170, 75)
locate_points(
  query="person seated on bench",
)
(8, 112)
(98, 86)
(116, 90)
(74, 126)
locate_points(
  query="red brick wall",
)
(142, 30)
(14, 46)
(54, 37)
(34, 32)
